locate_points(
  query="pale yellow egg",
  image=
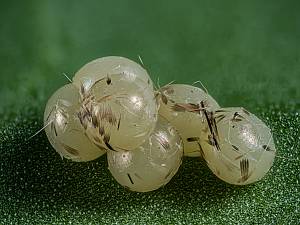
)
(63, 128)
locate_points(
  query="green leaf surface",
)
(246, 53)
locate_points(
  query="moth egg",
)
(181, 105)
(239, 148)
(63, 128)
(102, 67)
(119, 114)
(151, 165)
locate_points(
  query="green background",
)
(247, 53)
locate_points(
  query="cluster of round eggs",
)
(112, 107)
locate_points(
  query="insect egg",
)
(119, 114)
(181, 105)
(239, 148)
(63, 128)
(102, 67)
(152, 164)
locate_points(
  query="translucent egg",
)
(119, 114)
(63, 128)
(104, 67)
(181, 105)
(239, 147)
(152, 164)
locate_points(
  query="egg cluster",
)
(112, 107)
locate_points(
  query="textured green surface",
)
(247, 54)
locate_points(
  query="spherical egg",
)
(182, 106)
(63, 128)
(102, 68)
(239, 147)
(151, 165)
(119, 114)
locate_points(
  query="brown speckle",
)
(94, 120)
(50, 113)
(246, 112)
(53, 128)
(101, 130)
(129, 177)
(163, 141)
(82, 90)
(213, 142)
(164, 99)
(82, 119)
(267, 148)
(119, 123)
(109, 146)
(235, 148)
(220, 118)
(192, 139)
(183, 107)
(244, 167)
(106, 138)
(70, 150)
(108, 80)
(237, 117)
